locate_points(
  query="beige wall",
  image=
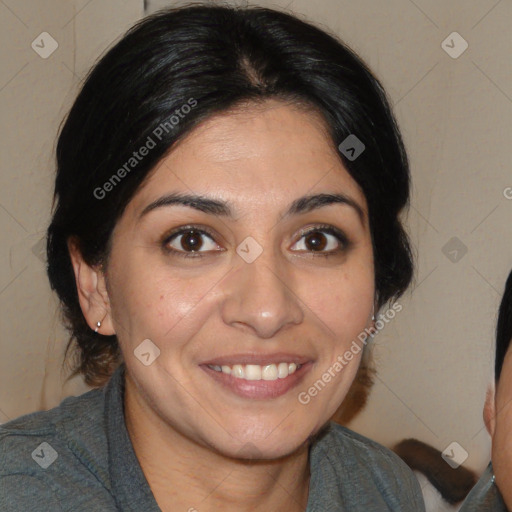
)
(35, 94)
(434, 359)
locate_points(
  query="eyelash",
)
(182, 231)
(342, 239)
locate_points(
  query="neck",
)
(184, 475)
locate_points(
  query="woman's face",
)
(249, 244)
(501, 431)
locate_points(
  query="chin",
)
(266, 442)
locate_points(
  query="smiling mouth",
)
(254, 381)
(254, 372)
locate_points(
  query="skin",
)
(498, 420)
(195, 439)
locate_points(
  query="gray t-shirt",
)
(485, 496)
(79, 457)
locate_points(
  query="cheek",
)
(342, 300)
(162, 302)
(156, 302)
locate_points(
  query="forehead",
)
(253, 154)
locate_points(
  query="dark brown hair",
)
(503, 328)
(217, 57)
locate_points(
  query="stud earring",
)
(98, 324)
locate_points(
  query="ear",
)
(92, 292)
(490, 410)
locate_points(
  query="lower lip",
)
(259, 389)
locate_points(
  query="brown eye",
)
(191, 241)
(315, 241)
(322, 240)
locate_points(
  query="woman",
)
(226, 226)
(494, 489)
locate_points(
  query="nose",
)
(259, 296)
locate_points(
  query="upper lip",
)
(259, 359)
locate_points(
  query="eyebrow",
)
(210, 206)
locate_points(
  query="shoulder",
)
(77, 420)
(485, 495)
(369, 467)
(342, 440)
(48, 454)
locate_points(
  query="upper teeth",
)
(257, 372)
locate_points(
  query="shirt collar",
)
(130, 488)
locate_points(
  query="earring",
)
(98, 324)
